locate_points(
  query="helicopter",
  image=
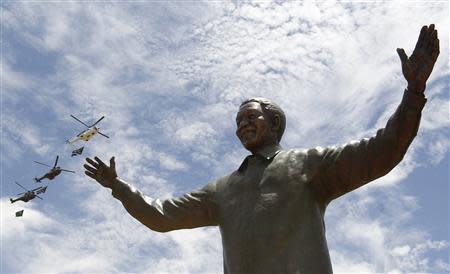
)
(54, 171)
(29, 194)
(87, 134)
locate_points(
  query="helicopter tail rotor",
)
(37, 180)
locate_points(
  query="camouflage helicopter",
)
(87, 134)
(29, 194)
(54, 171)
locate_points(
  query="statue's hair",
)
(271, 109)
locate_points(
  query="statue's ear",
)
(276, 123)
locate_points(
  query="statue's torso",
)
(270, 219)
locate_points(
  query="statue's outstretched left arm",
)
(192, 210)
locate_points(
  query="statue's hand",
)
(100, 172)
(417, 68)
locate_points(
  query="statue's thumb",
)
(402, 55)
(112, 163)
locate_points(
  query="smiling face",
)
(254, 127)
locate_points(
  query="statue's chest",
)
(257, 194)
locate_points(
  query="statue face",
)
(253, 127)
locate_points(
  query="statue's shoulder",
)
(297, 155)
(292, 152)
(306, 151)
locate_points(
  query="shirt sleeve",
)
(195, 209)
(343, 169)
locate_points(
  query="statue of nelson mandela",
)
(270, 210)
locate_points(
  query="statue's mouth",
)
(247, 133)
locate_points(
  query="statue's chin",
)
(250, 145)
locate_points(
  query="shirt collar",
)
(267, 153)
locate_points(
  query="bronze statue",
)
(270, 211)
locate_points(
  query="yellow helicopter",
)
(87, 134)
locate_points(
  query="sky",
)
(169, 78)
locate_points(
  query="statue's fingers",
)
(422, 34)
(402, 55)
(433, 39)
(431, 28)
(428, 38)
(112, 163)
(100, 162)
(90, 169)
(434, 34)
(90, 161)
(435, 53)
(90, 174)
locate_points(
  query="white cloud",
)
(370, 234)
(19, 133)
(195, 131)
(12, 80)
(170, 163)
(401, 250)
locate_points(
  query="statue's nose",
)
(243, 123)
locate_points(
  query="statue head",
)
(260, 122)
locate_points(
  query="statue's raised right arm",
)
(338, 170)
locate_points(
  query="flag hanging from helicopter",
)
(77, 151)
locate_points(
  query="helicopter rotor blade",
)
(67, 170)
(98, 121)
(104, 135)
(56, 161)
(81, 133)
(38, 188)
(39, 197)
(42, 164)
(78, 120)
(21, 186)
